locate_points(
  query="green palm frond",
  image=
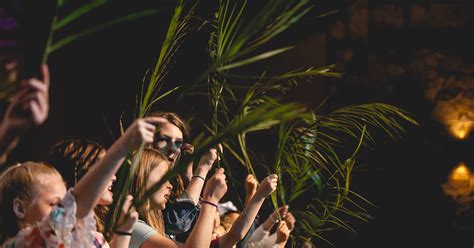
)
(307, 158)
(270, 111)
(62, 23)
(149, 95)
(77, 13)
(177, 30)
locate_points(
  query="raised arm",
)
(126, 222)
(196, 182)
(89, 189)
(251, 185)
(273, 218)
(243, 223)
(28, 109)
(202, 231)
(215, 189)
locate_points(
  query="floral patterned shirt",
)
(60, 229)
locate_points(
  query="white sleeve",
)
(257, 237)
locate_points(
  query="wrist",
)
(121, 146)
(260, 195)
(211, 199)
(201, 170)
(198, 177)
(209, 202)
(205, 164)
(123, 233)
(251, 191)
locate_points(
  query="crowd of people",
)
(63, 201)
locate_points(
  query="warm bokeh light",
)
(461, 128)
(460, 181)
(461, 173)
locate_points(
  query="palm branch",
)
(149, 95)
(68, 14)
(307, 158)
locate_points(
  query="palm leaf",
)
(256, 117)
(56, 45)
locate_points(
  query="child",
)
(39, 212)
(73, 158)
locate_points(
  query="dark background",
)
(95, 79)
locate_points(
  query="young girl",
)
(73, 158)
(170, 141)
(149, 232)
(36, 211)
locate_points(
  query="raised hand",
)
(207, 160)
(30, 104)
(267, 186)
(127, 218)
(251, 184)
(216, 187)
(28, 109)
(282, 234)
(290, 221)
(141, 131)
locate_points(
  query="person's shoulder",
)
(141, 232)
(141, 228)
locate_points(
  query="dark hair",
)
(73, 158)
(176, 120)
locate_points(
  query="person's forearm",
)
(90, 188)
(269, 222)
(249, 196)
(243, 223)
(202, 232)
(197, 183)
(8, 141)
(120, 241)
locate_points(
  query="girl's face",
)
(49, 193)
(161, 196)
(169, 141)
(108, 197)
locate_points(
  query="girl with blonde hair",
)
(36, 209)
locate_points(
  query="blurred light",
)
(461, 128)
(460, 182)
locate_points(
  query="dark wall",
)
(375, 43)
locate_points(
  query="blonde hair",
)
(149, 160)
(20, 181)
